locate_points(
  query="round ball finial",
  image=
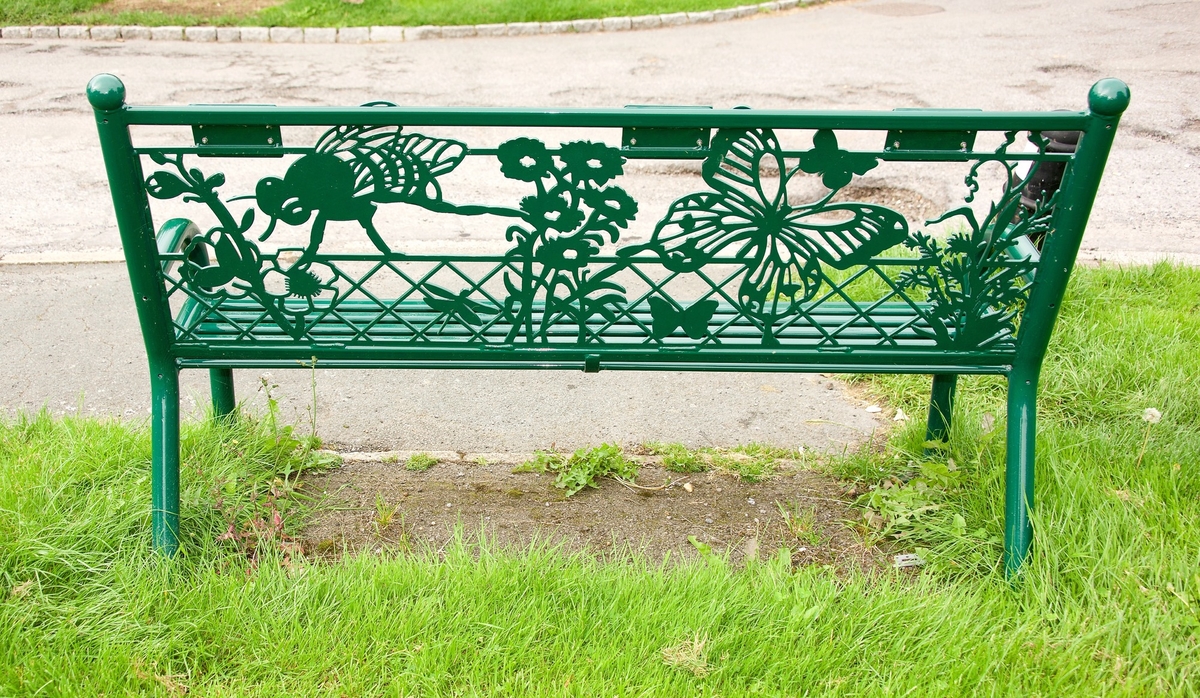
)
(106, 92)
(1109, 97)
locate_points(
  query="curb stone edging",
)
(360, 35)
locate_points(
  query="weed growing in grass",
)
(801, 522)
(542, 462)
(384, 514)
(584, 468)
(912, 501)
(285, 436)
(744, 466)
(1151, 416)
(420, 462)
(256, 524)
(312, 407)
(390, 459)
(688, 655)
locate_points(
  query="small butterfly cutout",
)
(694, 320)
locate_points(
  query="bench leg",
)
(941, 406)
(1018, 490)
(224, 400)
(164, 470)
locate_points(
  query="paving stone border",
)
(363, 35)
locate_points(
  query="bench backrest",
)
(783, 250)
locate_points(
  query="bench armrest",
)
(175, 235)
(1024, 249)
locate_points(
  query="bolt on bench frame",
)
(776, 284)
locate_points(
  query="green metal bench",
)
(766, 262)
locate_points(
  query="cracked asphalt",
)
(70, 340)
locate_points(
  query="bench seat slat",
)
(359, 332)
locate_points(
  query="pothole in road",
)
(901, 9)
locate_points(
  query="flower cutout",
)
(524, 159)
(306, 280)
(750, 218)
(592, 162)
(567, 252)
(551, 212)
(612, 203)
(292, 293)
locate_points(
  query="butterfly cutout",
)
(694, 320)
(748, 216)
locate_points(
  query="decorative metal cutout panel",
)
(745, 262)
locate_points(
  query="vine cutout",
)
(978, 289)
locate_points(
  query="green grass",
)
(337, 13)
(420, 462)
(583, 468)
(1110, 604)
(752, 462)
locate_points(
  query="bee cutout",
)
(352, 171)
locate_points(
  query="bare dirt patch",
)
(733, 516)
(195, 8)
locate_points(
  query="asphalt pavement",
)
(70, 340)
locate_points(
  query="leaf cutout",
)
(227, 252)
(164, 185)
(209, 278)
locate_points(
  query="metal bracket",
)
(914, 139)
(645, 138)
(674, 140)
(225, 137)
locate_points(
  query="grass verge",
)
(338, 13)
(1110, 604)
